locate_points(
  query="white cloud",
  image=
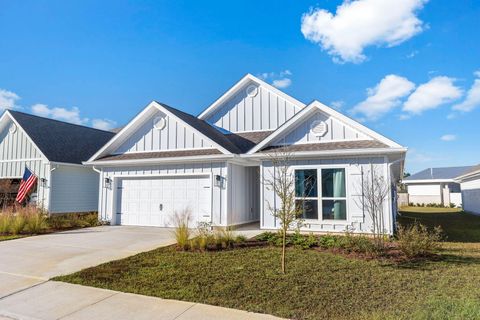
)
(430, 95)
(282, 83)
(279, 80)
(362, 23)
(385, 96)
(7, 99)
(103, 124)
(412, 54)
(69, 115)
(338, 104)
(448, 137)
(473, 97)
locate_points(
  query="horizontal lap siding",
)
(74, 189)
(471, 195)
(174, 136)
(219, 202)
(357, 218)
(264, 111)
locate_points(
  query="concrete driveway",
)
(29, 261)
(27, 264)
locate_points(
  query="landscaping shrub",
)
(416, 240)
(181, 221)
(36, 220)
(18, 223)
(6, 218)
(303, 241)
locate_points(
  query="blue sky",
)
(407, 71)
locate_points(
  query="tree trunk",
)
(284, 244)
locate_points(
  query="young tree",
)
(282, 182)
(374, 190)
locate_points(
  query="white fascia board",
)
(474, 174)
(427, 181)
(333, 153)
(138, 118)
(284, 127)
(209, 158)
(230, 92)
(162, 109)
(122, 132)
(67, 164)
(7, 113)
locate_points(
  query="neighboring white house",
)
(470, 185)
(53, 151)
(435, 185)
(214, 165)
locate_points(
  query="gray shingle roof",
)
(60, 141)
(161, 154)
(205, 128)
(328, 146)
(247, 140)
(439, 173)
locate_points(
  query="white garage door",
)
(154, 201)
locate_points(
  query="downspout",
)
(52, 168)
(100, 186)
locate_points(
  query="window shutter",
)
(357, 215)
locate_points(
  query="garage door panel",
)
(154, 201)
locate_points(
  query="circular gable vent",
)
(252, 90)
(159, 123)
(319, 128)
(13, 128)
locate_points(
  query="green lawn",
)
(318, 285)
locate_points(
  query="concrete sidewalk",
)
(57, 300)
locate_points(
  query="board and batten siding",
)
(471, 195)
(336, 131)
(264, 111)
(356, 169)
(176, 135)
(18, 152)
(244, 192)
(75, 189)
(219, 195)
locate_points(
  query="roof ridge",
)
(56, 120)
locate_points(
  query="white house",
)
(470, 185)
(53, 151)
(166, 160)
(435, 185)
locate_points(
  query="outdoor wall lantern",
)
(43, 182)
(219, 181)
(108, 183)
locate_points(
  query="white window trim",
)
(320, 198)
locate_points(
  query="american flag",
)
(26, 184)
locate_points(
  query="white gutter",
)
(427, 181)
(218, 157)
(337, 152)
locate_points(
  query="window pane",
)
(309, 208)
(306, 183)
(333, 183)
(334, 209)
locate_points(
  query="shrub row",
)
(432, 205)
(30, 220)
(413, 241)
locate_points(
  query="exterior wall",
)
(16, 153)
(74, 189)
(244, 192)
(357, 219)
(471, 195)
(219, 194)
(264, 111)
(425, 193)
(337, 131)
(174, 136)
